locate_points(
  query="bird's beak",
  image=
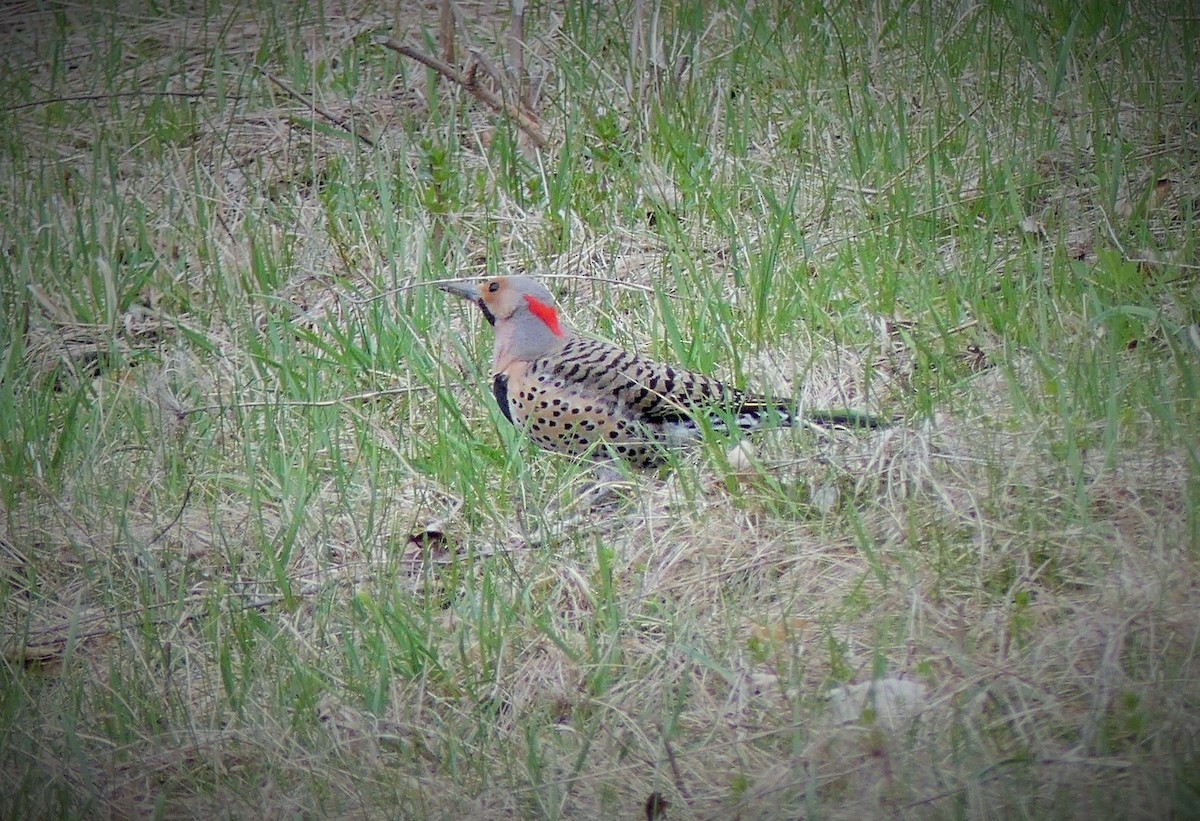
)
(469, 291)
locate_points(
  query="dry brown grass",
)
(194, 582)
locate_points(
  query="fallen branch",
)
(296, 95)
(523, 119)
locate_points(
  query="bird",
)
(585, 397)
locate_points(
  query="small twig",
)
(480, 60)
(296, 95)
(516, 51)
(83, 98)
(446, 30)
(675, 773)
(1125, 255)
(924, 155)
(50, 636)
(523, 119)
(995, 771)
(187, 495)
(946, 206)
(367, 300)
(297, 403)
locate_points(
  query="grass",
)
(269, 549)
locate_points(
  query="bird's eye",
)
(493, 287)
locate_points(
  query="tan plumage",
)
(584, 397)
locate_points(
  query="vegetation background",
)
(267, 548)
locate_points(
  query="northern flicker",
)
(585, 397)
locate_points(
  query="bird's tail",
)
(756, 412)
(844, 418)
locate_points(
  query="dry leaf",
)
(1162, 190)
(656, 806)
(429, 543)
(976, 359)
(1192, 335)
(1123, 207)
(825, 497)
(782, 631)
(741, 456)
(1032, 225)
(891, 699)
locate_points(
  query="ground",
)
(268, 548)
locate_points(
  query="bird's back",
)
(593, 392)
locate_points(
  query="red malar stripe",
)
(546, 313)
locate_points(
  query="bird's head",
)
(522, 309)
